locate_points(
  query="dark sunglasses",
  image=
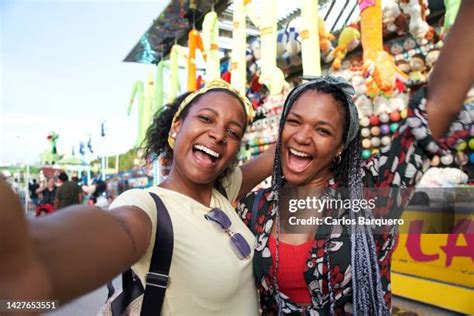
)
(238, 243)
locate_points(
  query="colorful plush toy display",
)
(390, 14)
(418, 10)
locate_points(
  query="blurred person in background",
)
(33, 187)
(48, 194)
(69, 193)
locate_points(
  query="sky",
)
(61, 70)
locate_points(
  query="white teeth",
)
(207, 151)
(299, 153)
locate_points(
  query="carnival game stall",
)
(386, 49)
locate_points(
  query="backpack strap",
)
(219, 187)
(157, 279)
(131, 289)
(253, 222)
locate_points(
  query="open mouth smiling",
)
(205, 155)
(298, 160)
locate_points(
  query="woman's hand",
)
(22, 275)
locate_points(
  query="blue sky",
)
(61, 69)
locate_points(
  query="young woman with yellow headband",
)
(79, 249)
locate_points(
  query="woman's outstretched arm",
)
(67, 253)
(453, 74)
(256, 170)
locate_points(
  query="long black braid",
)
(368, 296)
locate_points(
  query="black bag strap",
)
(253, 222)
(157, 279)
(219, 187)
(131, 289)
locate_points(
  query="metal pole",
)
(27, 191)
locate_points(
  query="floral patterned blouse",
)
(399, 165)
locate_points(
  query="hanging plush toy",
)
(379, 66)
(417, 68)
(390, 13)
(210, 39)
(177, 51)
(325, 37)
(418, 11)
(288, 48)
(348, 40)
(194, 43)
(159, 97)
(52, 139)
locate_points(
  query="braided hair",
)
(348, 173)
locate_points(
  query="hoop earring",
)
(337, 161)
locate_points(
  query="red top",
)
(291, 267)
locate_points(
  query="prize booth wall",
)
(271, 59)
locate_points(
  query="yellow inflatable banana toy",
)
(210, 39)
(325, 37)
(379, 66)
(159, 84)
(348, 40)
(137, 91)
(238, 62)
(149, 103)
(177, 51)
(271, 76)
(310, 39)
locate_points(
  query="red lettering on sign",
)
(453, 250)
(414, 243)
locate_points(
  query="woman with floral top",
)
(328, 270)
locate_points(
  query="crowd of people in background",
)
(45, 195)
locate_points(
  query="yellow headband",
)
(212, 85)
